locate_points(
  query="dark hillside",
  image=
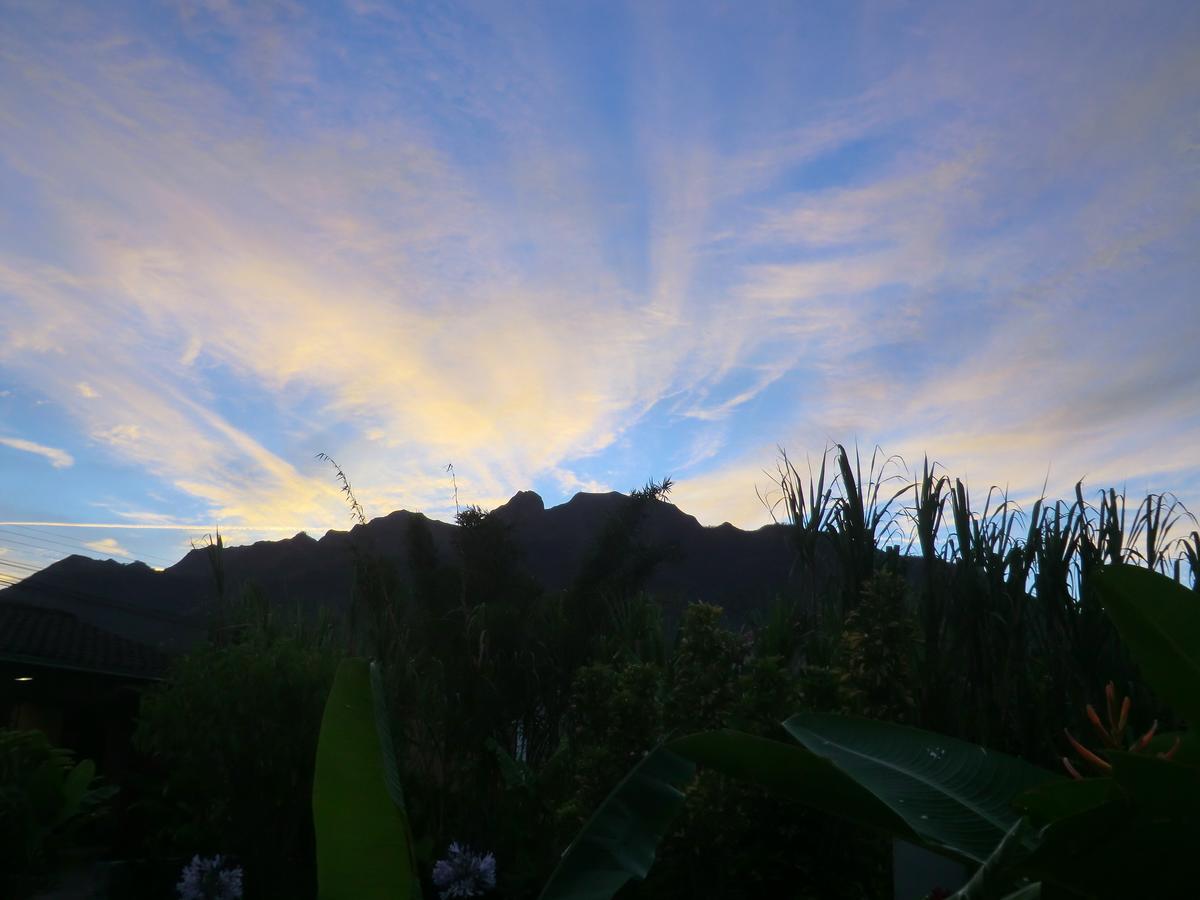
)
(738, 569)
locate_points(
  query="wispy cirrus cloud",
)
(523, 250)
(59, 459)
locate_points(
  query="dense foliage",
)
(514, 711)
(233, 734)
(46, 798)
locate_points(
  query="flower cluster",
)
(464, 873)
(1113, 735)
(208, 879)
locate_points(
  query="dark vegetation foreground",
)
(515, 710)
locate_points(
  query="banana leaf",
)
(999, 871)
(793, 773)
(364, 849)
(620, 840)
(956, 796)
(1029, 892)
(75, 789)
(952, 796)
(1159, 619)
(1056, 800)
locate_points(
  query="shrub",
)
(45, 797)
(876, 676)
(233, 730)
(732, 839)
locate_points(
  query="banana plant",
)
(916, 785)
(364, 844)
(1029, 832)
(44, 796)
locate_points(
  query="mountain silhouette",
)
(740, 570)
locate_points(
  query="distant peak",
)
(584, 497)
(523, 504)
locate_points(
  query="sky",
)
(573, 246)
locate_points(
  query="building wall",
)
(90, 714)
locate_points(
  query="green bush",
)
(615, 714)
(45, 797)
(233, 731)
(732, 839)
(876, 674)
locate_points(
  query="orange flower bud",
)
(1088, 755)
(1140, 743)
(1120, 730)
(1094, 718)
(1170, 754)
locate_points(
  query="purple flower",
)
(207, 879)
(464, 873)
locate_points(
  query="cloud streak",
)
(108, 546)
(566, 261)
(59, 459)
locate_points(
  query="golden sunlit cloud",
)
(109, 546)
(916, 258)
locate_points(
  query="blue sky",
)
(572, 246)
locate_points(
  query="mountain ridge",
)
(723, 564)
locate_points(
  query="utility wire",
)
(50, 588)
(43, 542)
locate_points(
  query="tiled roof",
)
(52, 637)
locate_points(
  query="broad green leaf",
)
(46, 792)
(363, 842)
(1029, 892)
(1000, 870)
(794, 773)
(957, 797)
(1069, 845)
(1057, 800)
(1160, 621)
(391, 772)
(621, 838)
(1166, 787)
(75, 787)
(1150, 819)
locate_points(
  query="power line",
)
(49, 587)
(57, 553)
(70, 545)
(93, 600)
(13, 564)
(295, 529)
